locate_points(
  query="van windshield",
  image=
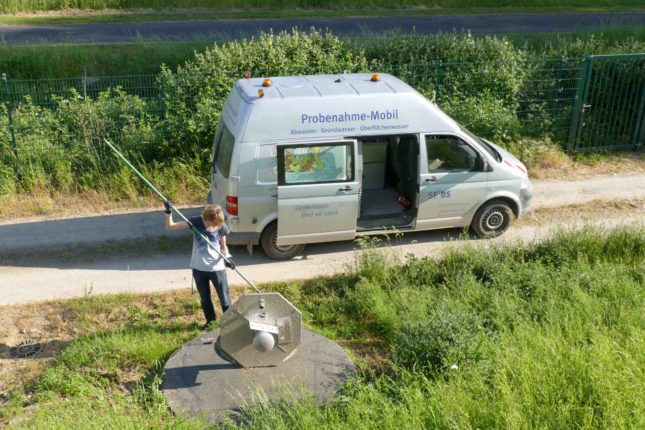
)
(224, 152)
(488, 147)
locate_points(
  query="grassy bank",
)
(26, 6)
(94, 16)
(535, 335)
(61, 61)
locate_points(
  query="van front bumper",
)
(526, 197)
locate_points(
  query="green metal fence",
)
(610, 103)
(592, 103)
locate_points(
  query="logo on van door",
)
(439, 195)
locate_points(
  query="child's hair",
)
(213, 214)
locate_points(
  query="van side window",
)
(449, 154)
(224, 152)
(267, 164)
(218, 138)
(305, 164)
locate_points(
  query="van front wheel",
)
(492, 219)
(272, 250)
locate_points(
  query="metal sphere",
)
(263, 341)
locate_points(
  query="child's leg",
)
(221, 286)
(203, 286)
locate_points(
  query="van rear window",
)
(224, 152)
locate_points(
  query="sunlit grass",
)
(543, 335)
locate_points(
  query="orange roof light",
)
(375, 77)
(260, 93)
(266, 82)
(246, 75)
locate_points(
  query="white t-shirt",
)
(204, 257)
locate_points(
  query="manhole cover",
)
(26, 349)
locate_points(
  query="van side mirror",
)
(485, 166)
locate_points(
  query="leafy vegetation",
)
(166, 121)
(532, 335)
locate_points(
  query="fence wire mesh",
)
(66, 118)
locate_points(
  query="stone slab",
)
(198, 380)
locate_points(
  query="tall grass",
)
(11, 6)
(60, 61)
(542, 335)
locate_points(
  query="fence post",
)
(9, 105)
(162, 99)
(437, 84)
(639, 136)
(576, 113)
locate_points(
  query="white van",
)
(305, 159)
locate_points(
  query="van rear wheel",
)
(492, 219)
(269, 240)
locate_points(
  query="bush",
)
(196, 93)
(450, 65)
(486, 116)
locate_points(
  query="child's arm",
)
(172, 225)
(223, 247)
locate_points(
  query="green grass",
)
(266, 12)
(542, 335)
(59, 61)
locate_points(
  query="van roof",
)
(330, 107)
(315, 86)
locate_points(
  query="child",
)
(207, 264)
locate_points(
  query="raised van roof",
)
(330, 107)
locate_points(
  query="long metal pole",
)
(193, 228)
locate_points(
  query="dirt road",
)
(145, 263)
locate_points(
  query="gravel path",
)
(34, 279)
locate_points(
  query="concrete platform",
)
(198, 380)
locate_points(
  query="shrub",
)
(125, 119)
(455, 64)
(487, 116)
(196, 93)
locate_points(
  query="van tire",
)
(272, 250)
(492, 219)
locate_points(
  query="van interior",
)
(389, 182)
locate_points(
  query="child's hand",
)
(229, 262)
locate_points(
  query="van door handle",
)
(345, 188)
(431, 179)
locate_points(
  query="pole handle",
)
(192, 227)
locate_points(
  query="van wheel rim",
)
(493, 220)
(281, 249)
